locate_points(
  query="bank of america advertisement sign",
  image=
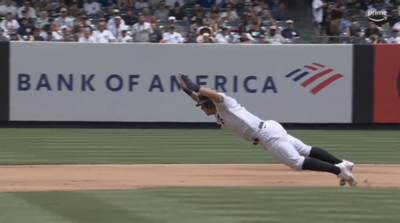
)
(138, 82)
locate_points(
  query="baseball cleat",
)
(345, 173)
(350, 165)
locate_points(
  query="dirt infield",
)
(94, 177)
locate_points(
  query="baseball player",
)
(233, 117)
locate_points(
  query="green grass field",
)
(187, 205)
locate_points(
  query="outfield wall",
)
(70, 82)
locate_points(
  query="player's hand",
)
(181, 82)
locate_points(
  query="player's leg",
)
(320, 154)
(284, 151)
(313, 152)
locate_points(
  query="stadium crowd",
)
(373, 21)
(192, 21)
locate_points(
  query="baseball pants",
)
(284, 147)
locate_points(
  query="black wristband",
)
(187, 91)
(189, 84)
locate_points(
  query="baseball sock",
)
(316, 165)
(323, 155)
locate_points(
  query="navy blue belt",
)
(255, 140)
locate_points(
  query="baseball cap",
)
(395, 30)
(289, 21)
(171, 18)
(116, 11)
(117, 17)
(63, 10)
(272, 27)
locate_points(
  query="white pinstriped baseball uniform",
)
(271, 135)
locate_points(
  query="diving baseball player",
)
(270, 134)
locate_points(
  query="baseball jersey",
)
(233, 117)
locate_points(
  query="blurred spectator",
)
(31, 21)
(92, 7)
(14, 37)
(102, 35)
(64, 20)
(141, 4)
(248, 20)
(318, 13)
(66, 36)
(397, 24)
(354, 32)
(81, 22)
(31, 13)
(395, 38)
(157, 35)
(363, 5)
(193, 26)
(42, 20)
(154, 3)
(25, 30)
(230, 14)
(111, 22)
(378, 39)
(213, 19)
(129, 18)
(205, 29)
(124, 37)
(190, 38)
(290, 32)
(371, 31)
(36, 35)
(8, 7)
(205, 38)
(178, 12)
(48, 34)
(273, 37)
(162, 12)
(393, 19)
(199, 17)
(274, 7)
(281, 14)
(244, 38)
(171, 21)
(248, 11)
(242, 29)
(257, 6)
(54, 5)
(346, 23)
(207, 4)
(141, 30)
(87, 37)
(74, 10)
(117, 27)
(256, 32)
(171, 36)
(265, 19)
(337, 10)
(224, 37)
(148, 17)
(9, 23)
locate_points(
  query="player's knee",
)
(297, 163)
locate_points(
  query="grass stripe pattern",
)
(86, 146)
(213, 205)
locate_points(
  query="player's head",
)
(206, 105)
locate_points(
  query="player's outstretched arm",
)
(192, 94)
(211, 94)
(186, 83)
